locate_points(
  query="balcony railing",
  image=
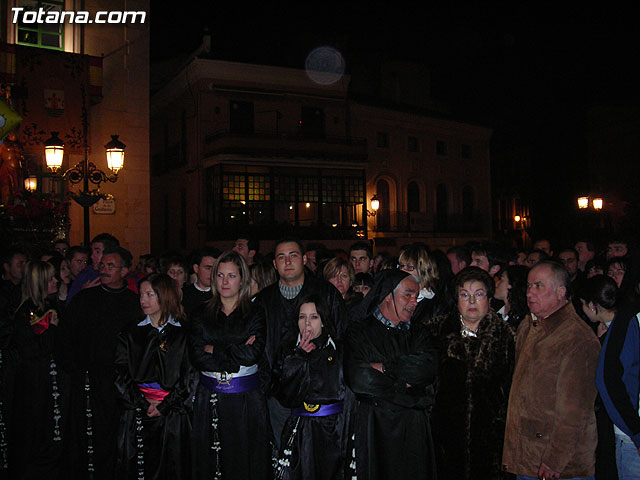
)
(404, 222)
(286, 144)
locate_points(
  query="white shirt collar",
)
(147, 321)
(426, 293)
(195, 284)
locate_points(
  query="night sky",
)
(528, 72)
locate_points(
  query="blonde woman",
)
(35, 429)
(227, 339)
(340, 273)
(433, 299)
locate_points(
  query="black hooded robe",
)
(314, 447)
(238, 421)
(391, 421)
(146, 355)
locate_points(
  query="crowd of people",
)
(479, 362)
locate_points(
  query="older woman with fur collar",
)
(475, 368)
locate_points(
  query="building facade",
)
(51, 74)
(263, 151)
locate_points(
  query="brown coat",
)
(551, 418)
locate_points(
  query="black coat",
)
(474, 378)
(36, 427)
(318, 445)
(391, 419)
(280, 312)
(240, 418)
(147, 355)
(95, 317)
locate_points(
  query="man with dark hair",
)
(534, 257)
(94, 318)
(459, 258)
(198, 292)
(488, 257)
(14, 262)
(586, 251)
(361, 257)
(551, 425)
(61, 246)
(247, 248)
(279, 303)
(90, 276)
(313, 249)
(78, 257)
(569, 258)
(617, 247)
(543, 244)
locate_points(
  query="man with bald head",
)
(390, 365)
(551, 426)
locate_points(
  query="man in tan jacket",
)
(551, 426)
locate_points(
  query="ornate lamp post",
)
(85, 172)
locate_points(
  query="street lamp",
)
(375, 205)
(583, 202)
(85, 171)
(115, 154)
(597, 203)
(31, 183)
(54, 152)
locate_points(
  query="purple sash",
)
(310, 410)
(233, 385)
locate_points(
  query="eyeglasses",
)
(466, 296)
(108, 266)
(403, 266)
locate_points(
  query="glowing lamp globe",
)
(598, 203)
(54, 152)
(375, 203)
(583, 202)
(115, 154)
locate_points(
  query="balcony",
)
(418, 222)
(269, 144)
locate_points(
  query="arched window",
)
(382, 190)
(442, 206)
(413, 197)
(468, 203)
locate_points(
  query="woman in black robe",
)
(227, 339)
(154, 381)
(477, 355)
(36, 430)
(309, 380)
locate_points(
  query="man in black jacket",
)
(279, 302)
(196, 293)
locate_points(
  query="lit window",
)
(45, 35)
